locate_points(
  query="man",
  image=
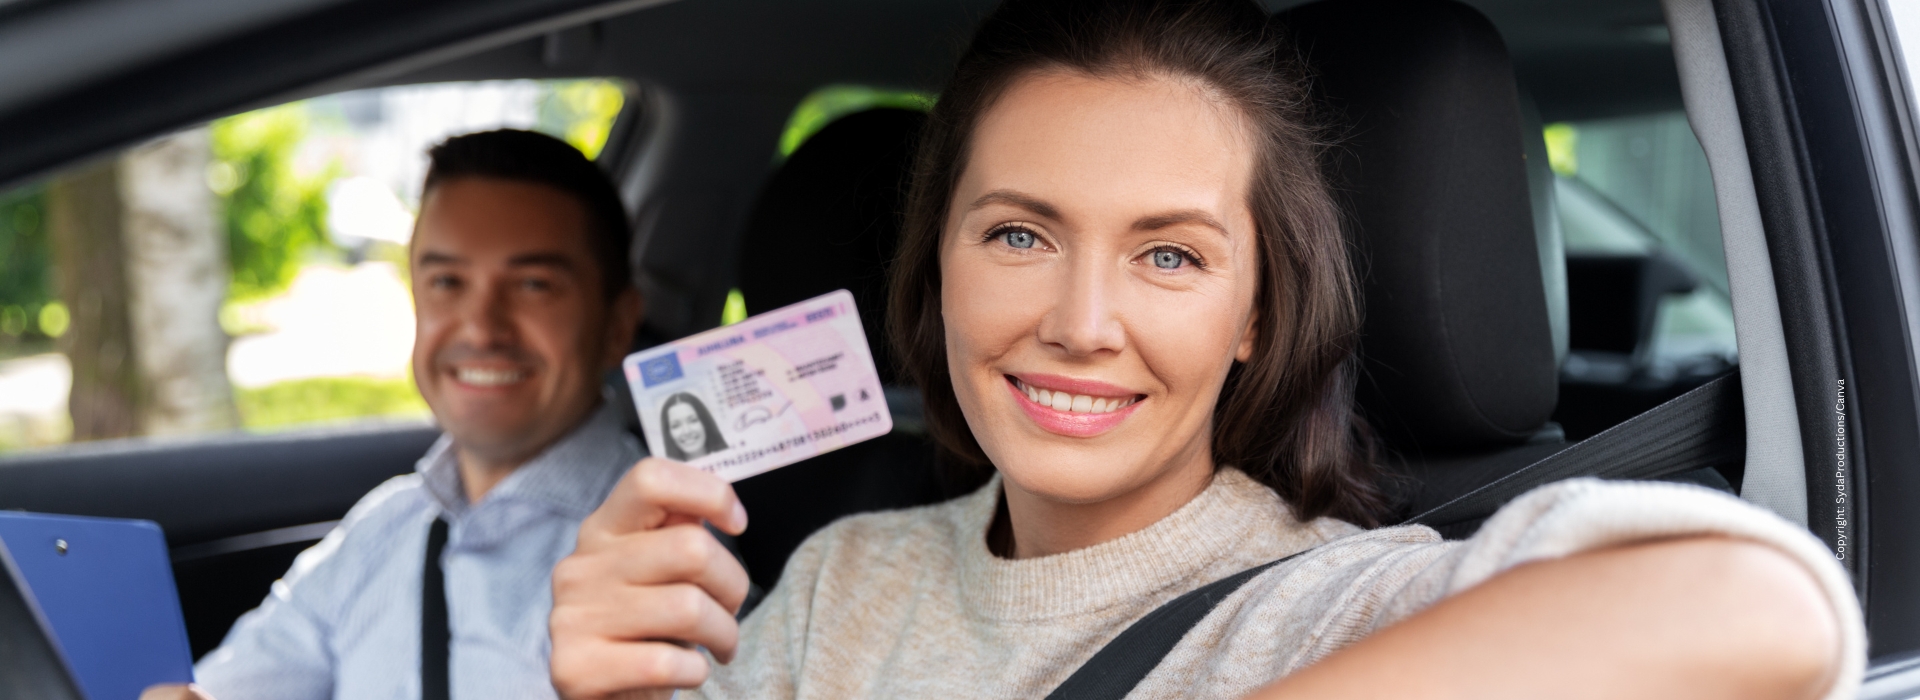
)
(524, 301)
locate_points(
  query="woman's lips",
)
(1087, 415)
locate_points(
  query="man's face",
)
(513, 330)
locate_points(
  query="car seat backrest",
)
(830, 219)
(1457, 349)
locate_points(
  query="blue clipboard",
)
(34, 668)
(105, 590)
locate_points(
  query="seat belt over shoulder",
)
(1118, 667)
(1699, 429)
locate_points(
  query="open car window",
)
(248, 274)
(1649, 307)
(1636, 186)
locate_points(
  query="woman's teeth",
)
(1076, 403)
(489, 377)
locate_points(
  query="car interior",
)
(1494, 336)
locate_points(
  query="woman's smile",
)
(1072, 407)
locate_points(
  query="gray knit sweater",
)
(911, 604)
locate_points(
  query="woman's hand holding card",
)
(646, 583)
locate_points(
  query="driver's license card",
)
(763, 393)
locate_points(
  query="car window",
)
(247, 274)
(1905, 16)
(1639, 186)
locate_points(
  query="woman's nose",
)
(1084, 319)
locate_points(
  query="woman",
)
(1123, 292)
(689, 429)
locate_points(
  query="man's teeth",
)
(1076, 403)
(489, 377)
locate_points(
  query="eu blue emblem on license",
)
(660, 370)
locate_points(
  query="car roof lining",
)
(1579, 58)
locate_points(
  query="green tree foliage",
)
(323, 399)
(1563, 149)
(835, 101)
(26, 263)
(274, 216)
(581, 112)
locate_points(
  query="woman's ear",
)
(1245, 351)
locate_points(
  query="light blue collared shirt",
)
(345, 620)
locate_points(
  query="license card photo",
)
(763, 393)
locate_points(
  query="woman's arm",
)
(1696, 618)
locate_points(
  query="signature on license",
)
(758, 414)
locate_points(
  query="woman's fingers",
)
(677, 554)
(659, 492)
(679, 613)
(598, 669)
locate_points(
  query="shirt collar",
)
(572, 476)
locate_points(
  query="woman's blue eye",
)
(1019, 239)
(1168, 259)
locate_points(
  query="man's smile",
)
(490, 377)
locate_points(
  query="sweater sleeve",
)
(772, 637)
(1583, 515)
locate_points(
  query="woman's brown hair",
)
(1286, 416)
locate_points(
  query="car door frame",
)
(1829, 129)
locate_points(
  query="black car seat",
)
(829, 219)
(1458, 364)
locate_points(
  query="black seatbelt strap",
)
(435, 637)
(1701, 428)
(1119, 666)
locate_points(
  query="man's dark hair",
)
(526, 156)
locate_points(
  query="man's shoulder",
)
(396, 504)
(396, 498)
(355, 547)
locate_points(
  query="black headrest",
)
(1430, 165)
(830, 219)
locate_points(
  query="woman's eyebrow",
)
(1175, 218)
(1017, 199)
